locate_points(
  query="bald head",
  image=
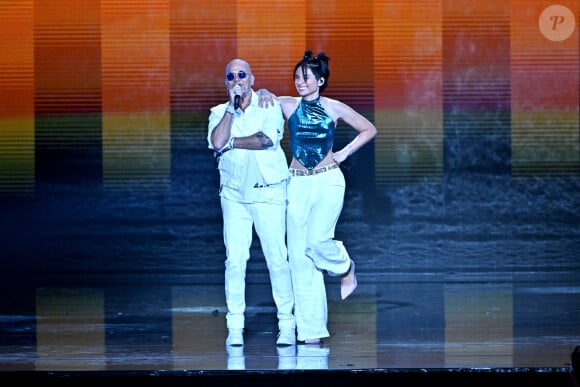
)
(239, 63)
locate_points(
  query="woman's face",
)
(307, 86)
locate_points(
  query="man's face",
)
(239, 74)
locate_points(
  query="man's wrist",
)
(230, 110)
(229, 146)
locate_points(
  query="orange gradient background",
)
(120, 78)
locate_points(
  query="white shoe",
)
(286, 357)
(235, 337)
(286, 337)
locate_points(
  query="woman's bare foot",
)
(348, 282)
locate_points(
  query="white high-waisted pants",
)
(269, 222)
(314, 206)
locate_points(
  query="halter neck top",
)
(311, 133)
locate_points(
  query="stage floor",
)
(395, 324)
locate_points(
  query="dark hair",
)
(318, 64)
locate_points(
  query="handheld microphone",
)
(237, 92)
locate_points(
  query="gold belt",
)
(310, 172)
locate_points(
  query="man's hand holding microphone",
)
(237, 92)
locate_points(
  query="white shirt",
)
(252, 175)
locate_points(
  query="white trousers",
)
(269, 223)
(314, 206)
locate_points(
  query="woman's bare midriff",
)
(327, 160)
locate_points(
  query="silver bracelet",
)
(229, 146)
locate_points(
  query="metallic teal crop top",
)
(311, 133)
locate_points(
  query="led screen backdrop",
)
(121, 83)
(104, 105)
(106, 177)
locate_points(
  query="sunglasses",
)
(241, 75)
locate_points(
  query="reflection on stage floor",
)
(484, 322)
